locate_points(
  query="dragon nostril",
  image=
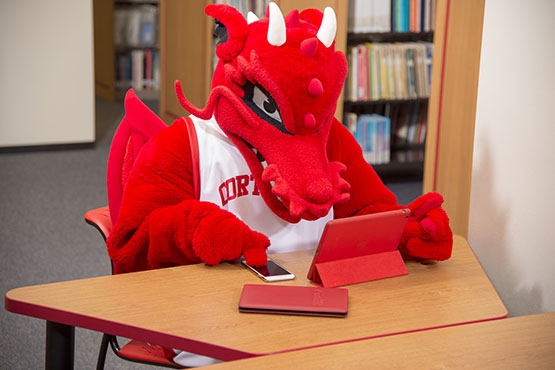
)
(318, 191)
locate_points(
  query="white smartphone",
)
(271, 272)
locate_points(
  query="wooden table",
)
(526, 342)
(194, 307)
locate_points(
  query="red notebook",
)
(294, 300)
(360, 248)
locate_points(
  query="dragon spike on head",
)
(277, 34)
(328, 28)
(274, 93)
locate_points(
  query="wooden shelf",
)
(136, 2)
(357, 38)
(400, 171)
(129, 48)
(364, 103)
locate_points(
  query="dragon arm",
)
(427, 234)
(160, 224)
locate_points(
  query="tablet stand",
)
(359, 269)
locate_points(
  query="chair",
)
(135, 350)
(136, 128)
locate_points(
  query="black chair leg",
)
(102, 352)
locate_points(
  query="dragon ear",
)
(231, 30)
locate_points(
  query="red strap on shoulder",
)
(193, 142)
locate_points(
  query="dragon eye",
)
(263, 105)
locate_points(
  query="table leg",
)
(60, 345)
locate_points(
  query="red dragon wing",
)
(137, 127)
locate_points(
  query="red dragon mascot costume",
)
(261, 166)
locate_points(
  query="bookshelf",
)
(389, 50)
(126, 48)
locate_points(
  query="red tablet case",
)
(294, 300)
(358, 249)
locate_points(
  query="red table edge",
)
(123, 330)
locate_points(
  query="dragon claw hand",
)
(427, 234)
(231, 239)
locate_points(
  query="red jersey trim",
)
(195, 162)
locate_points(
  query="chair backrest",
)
(100, 218)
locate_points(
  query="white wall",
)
(512, 207)
(46, 72)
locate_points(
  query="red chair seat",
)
(146, 352)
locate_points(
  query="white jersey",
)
(226, 180)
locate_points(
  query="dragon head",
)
(274, 93)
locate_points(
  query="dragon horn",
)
(251, 17)
(327, 30)
(276, 28)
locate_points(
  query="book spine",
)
(354, 70)
(394, 27)
(148, 69)
(156, 70)
(387, 140)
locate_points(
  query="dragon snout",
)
(314, 197)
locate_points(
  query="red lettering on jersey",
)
(223, 193)
(236, 187)
(242, 182)
(255, 190)
(228, 191)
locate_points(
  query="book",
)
(351, 122)
(382, 15)
(380, 139)
(361, 16)
(402, 21)
(384, 80)
(137, 69)
(412, 125)
(155, 70)
(428, 68)
(148, 82)
(147, 32)
(411, 80)
(374, 71)
(387, 140)
(363, 76)
(354, 71)
(349, 78)
(426, 15)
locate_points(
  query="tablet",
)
(360, 236)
